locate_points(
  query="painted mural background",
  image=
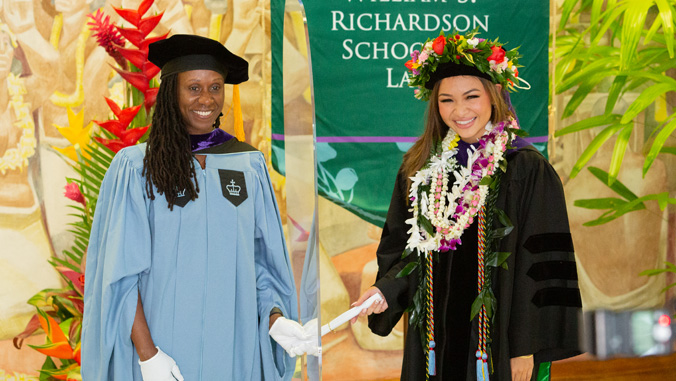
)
(42, 45)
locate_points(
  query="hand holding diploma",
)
(372, 301)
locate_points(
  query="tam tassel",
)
(237, 114)
(432, 369)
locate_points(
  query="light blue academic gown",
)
(209, 272)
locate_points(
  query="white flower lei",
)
(451, 211)
(17, 158)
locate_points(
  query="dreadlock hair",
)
(168, 163)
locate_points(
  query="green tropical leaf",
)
(600, 203)
(518, 132)
(75, 258)
(593, 72)
(601, 120)
(47, 366)
(610, 16)
(406, 253)
(594, 146)
(497, 258)
(667, 16)
(596, 8)
(614, 93)
(656, 25)
(566, 10)
(632, 28)
(580, 94)
(426, 224)
(407, 270)
(486, 181)
(617, 186)
(662, 199)
(618, 152)
(502, 232)
(645, 99)
(490, 301)
(476, 305)
(503, 218)
(668, 287)
(669, 150)
(658, 145)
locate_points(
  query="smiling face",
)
(465, 106)
(200, 99)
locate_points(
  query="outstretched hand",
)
(376, 308)
(294, 338)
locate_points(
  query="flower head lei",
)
(478, 56)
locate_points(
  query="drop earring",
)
(217, 122)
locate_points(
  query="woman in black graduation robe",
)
(538, 298)
(538, 301)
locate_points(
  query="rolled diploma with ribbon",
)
(349, 314)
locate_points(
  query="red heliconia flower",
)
(106, 36)
(73, 192)
(142, 83)
(129, 138)
(150, 97)
(409, 64)
(77, 354)
(74, 277)
(114, 145)
(139, 58)
(138, 80)
(134, 15)
(137, 35)
(124, 118)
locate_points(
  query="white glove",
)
(160, 367)
(312, 334)
(291, 336)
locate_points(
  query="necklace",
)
(442, 211)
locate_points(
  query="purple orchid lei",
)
(442, 211)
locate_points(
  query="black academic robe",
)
(538, 296)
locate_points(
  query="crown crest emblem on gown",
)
(233, 188)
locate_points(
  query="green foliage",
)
(669, 268)
(630, 44)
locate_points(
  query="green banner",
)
(365, 112)
(277, 84)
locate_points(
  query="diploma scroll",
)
(349, 314)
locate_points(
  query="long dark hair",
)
(436, 129)
(168, 163)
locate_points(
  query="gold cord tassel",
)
(237, 114)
